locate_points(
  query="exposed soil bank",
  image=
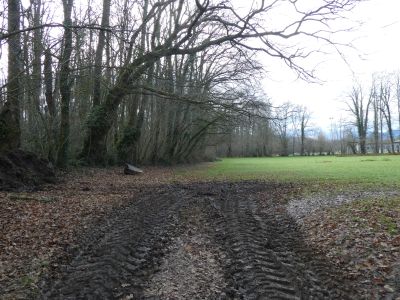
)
(24, 171)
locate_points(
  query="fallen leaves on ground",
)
(38, 227)
(363, 239)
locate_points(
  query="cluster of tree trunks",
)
(283, 130)
(383, 101)
(158, 82)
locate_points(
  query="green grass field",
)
(366, 170)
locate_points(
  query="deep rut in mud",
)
(204, 241)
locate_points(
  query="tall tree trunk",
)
(376, 123)
(128, 144)
(129, 134)
(51, 107)
(398, 100)
(381, 130)
(391, 136)
(388, 118)
(34, 78)
(10, 130)
(105, 21)
(37, 55)
(359, 107)
(385, 100)
(303, 138)
(65, 86)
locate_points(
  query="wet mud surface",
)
(198, 241)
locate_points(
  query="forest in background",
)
(153, 81)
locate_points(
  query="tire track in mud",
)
(263, 254)
(256, 270)
(261, 268)
(267, 257)
(121, 262)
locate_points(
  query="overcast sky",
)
(377, 49)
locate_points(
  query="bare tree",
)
(193, 29)
(65, 86)
(36, 11)
(283, 115)
(386, 101)
(351, 139)
(128, 143)
(358, 105)
(304, 117)
(105, 21)
(398, 97)
(51, 106)
(376, 104)
(340, 128)
(10, 130)
(158, 81)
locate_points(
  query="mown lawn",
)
(366, 170)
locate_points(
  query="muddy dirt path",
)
(198, 241)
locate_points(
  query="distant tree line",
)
(287, 130)
(372, 125)
(375, 115)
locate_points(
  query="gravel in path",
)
(301, 208)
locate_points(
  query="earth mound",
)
(24, 171)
